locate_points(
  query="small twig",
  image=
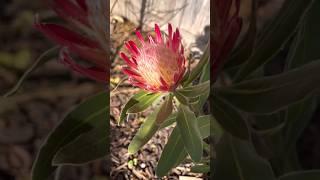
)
(115, 88)
(113, 5)
(28, 71)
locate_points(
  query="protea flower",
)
(226, 29)
(86, 35)
(157, 64)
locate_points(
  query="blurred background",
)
(48, 93)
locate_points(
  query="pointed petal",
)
(139, 36)
(64, 36)
(158, 33)
(164, 83)
(127, 60)
(133, 49)
(151, 40)
(170, 31)
(83, 4)
(129, 72)
(91, 72)
(67, 9)
(95, 56)
(134, 46)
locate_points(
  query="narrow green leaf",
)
(132, 101)
(143, 102)
(302, 175)
(195, 91)
(145, 133)
(137, 103)
(169, 121)
(229, 118)
(165, 110)
(151, 125)
(190, 133)
(237, 160)
(198, 69)
(88, 146)
(200, 168)
(174, 152)
(287, 88)
(277, 34)
(81, 120)
(304, 49)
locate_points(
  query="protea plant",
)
(158, 64)
(85, 35)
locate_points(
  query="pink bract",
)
(158, 64)
(82, 39)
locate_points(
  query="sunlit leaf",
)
(196, 72)
(174, 152)
(151, 125)
(190, 133)
(137, 103)
(195, 91)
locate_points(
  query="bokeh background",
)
(48, 93)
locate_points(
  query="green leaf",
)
(306, 44)
(198, 69)
(190, 133)
(143, 102)
(165, 110)
(258, 96)
(174, 152)
(169, 121)
(200, 169)
(88, 146)
(229, 118)
(205, 76)
(145, 133)
(151, 125)
(304, 49)
(277, 34)
(302, 175)
(237, 160)
(195, 91)
(137, 103)
(84, 118)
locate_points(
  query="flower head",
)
(85, 35)
(158, 64)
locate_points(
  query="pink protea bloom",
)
(158, 64)
(84, 35)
